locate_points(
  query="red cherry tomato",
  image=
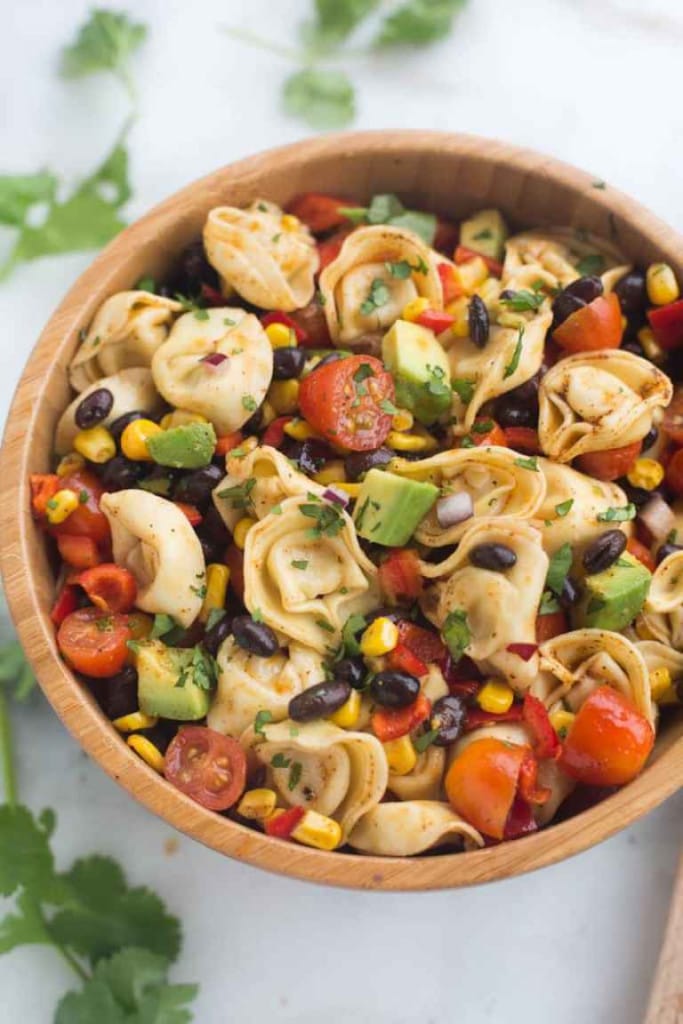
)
(65, 603)
(481, 783)
(484, 432)
(87, 520)
(610, 464)
(672, 421)
(544, 738)
(79, 552)
(435, 320)
(523, 439)
(329, 249)
(595, 326)
(399, 576)
(427, 646)
(642, 553)
(528, 786)
(550, 625)
(343, 402)
(674, 473)
(94, 643)
(206, 766)
(609, 740)
(319, 212)
(109, 587)
(667, 324)
(391, 725)
(521, 821)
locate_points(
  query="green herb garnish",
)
(456, 633)
(620, 514)
(514, 362)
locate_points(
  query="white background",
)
(598, 84)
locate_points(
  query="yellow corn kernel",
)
(506, 318)
(402, 420)
(61, 505)
(643, 631)
(346, 717)
(472, 274)
(257, 804)
(281, 336)
(180, 418)
(415, 308)
(268, 414)
(401, 755)
(147, 751)
(379, 638)
(651, 347)
(217, 579)
(489, 291)
(69, 464)
(561, 721)
(95, 444)
(495, 697)
(660, 682)
(240, 531)
(300, 430)
(624, 322)
(646, 473)
(459, 308)
(134, 722)
(283, 395)
(333, 472)
(134, 439)
(318, 830)
(403, 442)
(353, 490)
(289, 222)
(662, 286)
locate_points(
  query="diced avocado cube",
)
(189, 446)
(160, 670)
(389, 508)
(613, 598)
(486, 233)
(420, 369)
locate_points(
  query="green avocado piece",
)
(189, 446)
(613, 598)
(420, 368)
(486, 233)
(389, 508)
(159, 670)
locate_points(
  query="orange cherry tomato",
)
(109, 587)
(206, 766)
(642, 553)
(87, 520)
(609, 740)
(672, 421)
(391, 725)
(610, 464)
(523, 439)
(484, 431)
(94, 643)
(399, 575)
(319, 212)
(550, 625)
(674, 473)
(343, 402)
(79, 552)
(595, 326)
(481, 783)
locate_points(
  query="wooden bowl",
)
(447, 173)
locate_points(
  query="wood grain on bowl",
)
(449, 174)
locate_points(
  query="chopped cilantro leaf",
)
(456, 633)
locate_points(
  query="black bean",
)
(213, 536)
(528, 391)
(121, 422)
(664, 550)
(195, 488)
(313, 456)
(563, 307)
(253, 424)
(650, 438)
(394, 689)
(513, 414)
(385, 613)
(638, 495)
(214, 637)
(191, 271)
(352, 671)
(160, 480)
(571, 592)
(319, 701)
(117, 695)
(448, 716)
(585, 288)
(604, 551)
(496, 557)
(255, 637)
(358, 463)
(94, 408)
(288, 363)
(162, 733)
(634, 347)
(478, 321)
(120, 473)
(631, 292)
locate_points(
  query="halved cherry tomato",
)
(234, 559)
(609, 740)
(476, 717)
(672, 421)
(481, 783)
(343, 402)
(281, 826)
(544, 739)
(642, 553)
(403, 660)
(207, 766)
(110, 587)
(523, 439)
(87, 520)
(595, 326)
(43, 487)
(550, 625)
(399, 576)
(452, 289)
(484, 431)
(191, 512)
(435, 320)
(611, 464)
(227, 442)
(464, 255)
(391, 725)
(319, 212)
(278, 317)
(94, 643)
(329, 249)
(521, 821)
(274, 433)
(79, 552)
(529, 788)
(65, 604)
(674, 473)
(667, 324)
(427, 646)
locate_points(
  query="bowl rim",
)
(78, 711)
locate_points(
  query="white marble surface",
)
(597, 84)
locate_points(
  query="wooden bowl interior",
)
(452, 175)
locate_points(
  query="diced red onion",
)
(215, 359)
(657, 517)
(338, 497)
(454, 508)
(524, 651)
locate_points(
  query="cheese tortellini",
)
(154, 540)
(662, 616)
(573, 501)
(410, 827)
(594, 401)
(362, 291)
(219, 365)
(554, 256)
(267, 257)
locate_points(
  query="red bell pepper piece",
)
(274, 433)
(44, 486)
(476, 717)
(544, 738)
(521, 821)
(191, 512)
(282, 826)
(452, 289)
(330, 248)
(550, 625)
(464, 255)
(65, 604)
(642, 553)
(391, 725)
(523, 439)
(80, 552)
(403, 660)
(110, 587)
(424, 644)
(278, 317)
(318, 211)
(528, 787)
(227, 442)
(523, 651)
(399, 575)
(667, 324)
(435, 320)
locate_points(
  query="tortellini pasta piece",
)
(248, 684)
(361, 291)
(573, 501)
(496, 483)
(334, 771)
(305, 583)
(126, 331)
(511, 356)
(657, 655)
(154, 540)
(593, 401)
(576, 663)
(190, 374)
(500, 607)
(132, 390)
(666, 588)
(665, 627)
(410, 827)
(425, 779)
(556, 256)
(257, 482)
(268, 258)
